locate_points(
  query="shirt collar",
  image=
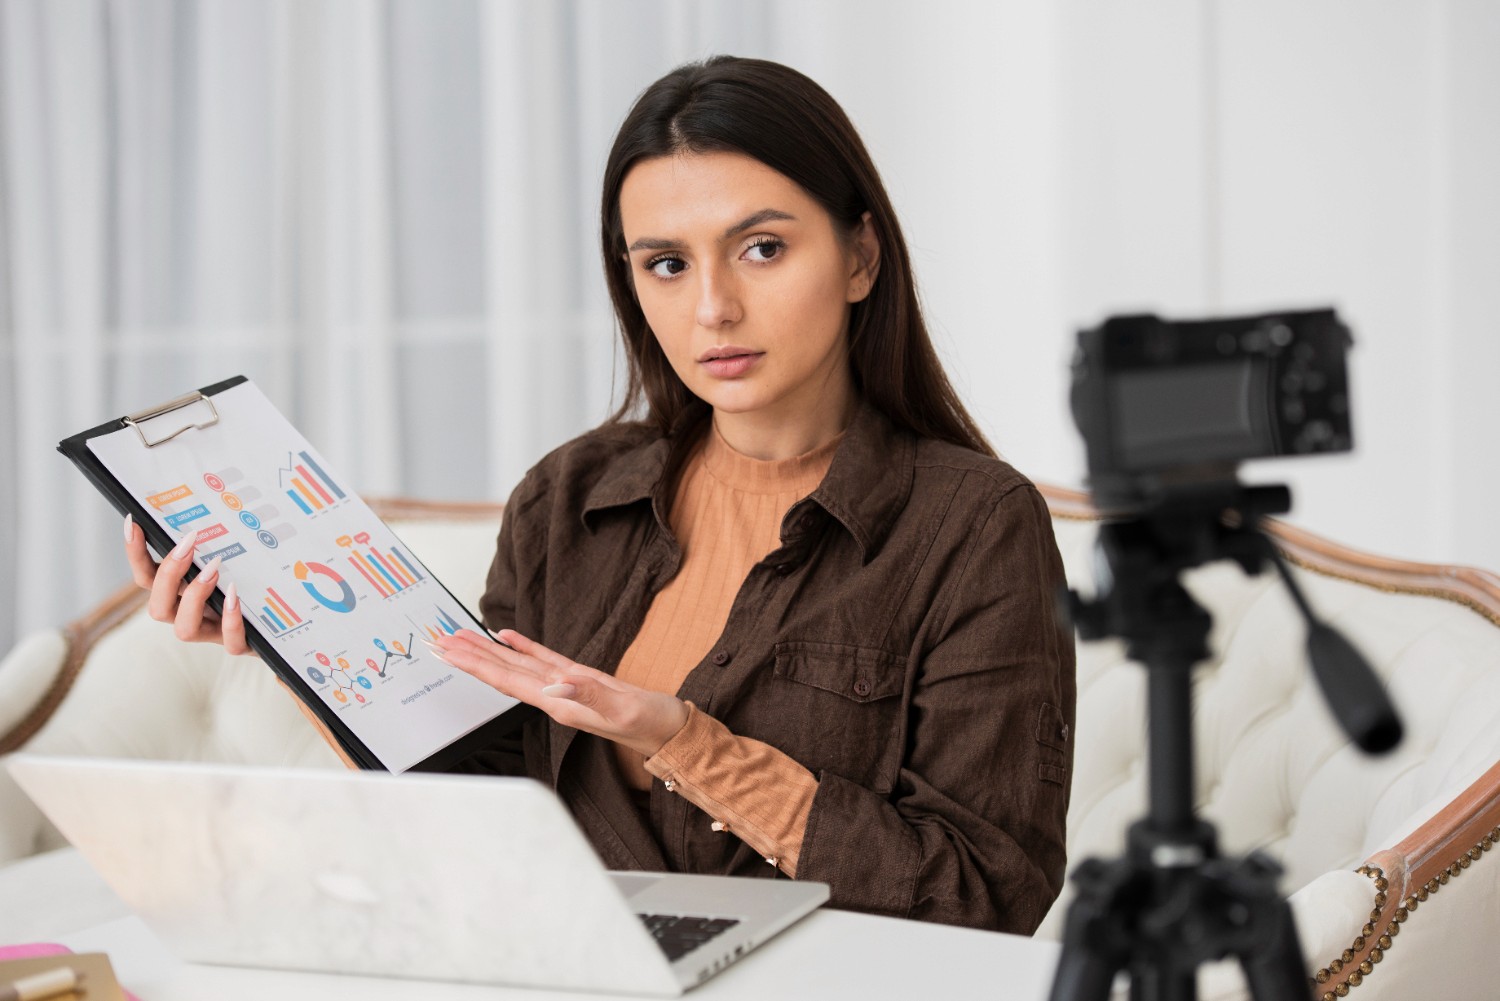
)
(870, 479)
(866, 487)
(643, 471)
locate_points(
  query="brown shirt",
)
(901, 643)
(726, 515)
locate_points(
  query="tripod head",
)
(1141, 556)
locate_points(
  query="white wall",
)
(1058, 162)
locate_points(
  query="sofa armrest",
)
(1439, 872)
(28, 677)
(29, 692)
(39, 671)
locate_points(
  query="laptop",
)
(434, 877)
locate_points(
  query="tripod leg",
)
(1279, 971)
(1152, 982)
(1091, 934)
(1082, 974)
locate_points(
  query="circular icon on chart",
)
(323, 659)
(370, 663)
(339, 694)
(358, 696)
(250, 521)
(343, 602)
(364, 682)
(316, 675)
(266, 539)
(232, 501)
(214, 483)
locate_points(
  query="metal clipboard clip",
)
(138, 418)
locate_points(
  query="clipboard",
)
(333, 601)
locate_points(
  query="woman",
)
(800, 618)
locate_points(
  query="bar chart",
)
(389, 572)
(308, 486)
(443, 625)
(279, 616)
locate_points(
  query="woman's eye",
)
(765, 249)
(666, 267)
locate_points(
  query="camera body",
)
(1166, 405)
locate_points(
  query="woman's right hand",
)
(185, 605)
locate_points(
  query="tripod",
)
(1172, 902)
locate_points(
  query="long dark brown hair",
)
(776, 115)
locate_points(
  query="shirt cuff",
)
(748, 787)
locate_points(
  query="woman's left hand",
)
(574, 695)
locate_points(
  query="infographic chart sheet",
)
(319, 576)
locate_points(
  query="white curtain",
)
(383, 212)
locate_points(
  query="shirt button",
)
(785, 568)
(721, 658)
(805, 522)
(862, 687)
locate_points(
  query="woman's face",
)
(746, 282)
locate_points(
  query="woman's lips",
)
(731, 366)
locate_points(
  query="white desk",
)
(831, 954)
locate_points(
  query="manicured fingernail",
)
(231, 597)
(560, 691)
(213, 566)
(129, 528)
(185, 545)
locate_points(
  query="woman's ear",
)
(866, 246)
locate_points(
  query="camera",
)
(1165, 404)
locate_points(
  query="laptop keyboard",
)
(679, 935)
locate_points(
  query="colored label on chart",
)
(191, 514)
(166, 497)
(227, 553)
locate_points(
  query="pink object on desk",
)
(33, 950)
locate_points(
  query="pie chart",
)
(342, 601)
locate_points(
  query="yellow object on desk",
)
(40, 986)
(71, 976)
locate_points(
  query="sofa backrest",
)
(1273, 770)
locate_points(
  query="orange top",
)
(726, 513)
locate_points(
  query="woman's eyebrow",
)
(764, 215)
(754, 219)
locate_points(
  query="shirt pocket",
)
(843, 707)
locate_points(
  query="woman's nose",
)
(718, 298)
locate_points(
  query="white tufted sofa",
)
(1386, 858)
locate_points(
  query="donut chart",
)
(343, 602)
